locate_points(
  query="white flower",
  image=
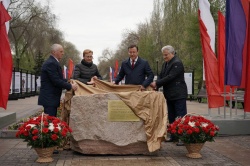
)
(192, 124)
(51, 127)
(204, 125)
(33, 118)
(31, 125)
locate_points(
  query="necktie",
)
(133, 63)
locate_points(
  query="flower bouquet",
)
(193, 129)
(44, 132)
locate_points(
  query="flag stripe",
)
(208, 20)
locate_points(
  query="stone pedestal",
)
(6, 118)
(94, 134)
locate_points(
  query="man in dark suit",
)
(174, 85)
(52, 81)
(135, 70)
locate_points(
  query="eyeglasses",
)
(88, 56)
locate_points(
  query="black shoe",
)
(169, 140)
(55, 152)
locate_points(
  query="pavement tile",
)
(225, 151)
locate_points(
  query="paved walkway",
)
(23, 107)
(229, 151)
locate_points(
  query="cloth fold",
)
(149, 105)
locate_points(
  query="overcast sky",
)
(99, 24)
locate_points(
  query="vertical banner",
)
(110, 74)
(64, 72)
(29, 82)
(38, 83)
(189, 81)
(235, 39)
(70, 68)
(17, 82)
(215, 99)
(116, 68)
(33, 87)
(5, 58)
(221, 49)
(24, 82)
(11, 85)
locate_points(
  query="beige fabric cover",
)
(150, 106)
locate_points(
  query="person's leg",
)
(242, 103)
(233, 104)
(51, 111)
(180, 107)
(171, 117)
(181, 110)
(171, 111)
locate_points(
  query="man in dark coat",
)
(174, 85)
(52, 81)
(135, 70)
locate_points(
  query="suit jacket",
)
(172, 80)
(52, 83)
(136, 76)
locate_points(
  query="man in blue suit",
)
(135, 70)
(52, 81)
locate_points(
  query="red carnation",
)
(180, 131)
(45, 130)
(212, 133)
(189, 131)
(64, 133)
(56, 130)
(54, 137)
(34, 137)
(197, 130)
(35, 131)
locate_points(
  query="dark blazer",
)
(136, 76)
(172, 80)
(52, 83)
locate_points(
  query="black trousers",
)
(176, 108)
(51, 111)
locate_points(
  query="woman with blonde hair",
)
(86, 70)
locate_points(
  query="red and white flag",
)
(5, 58)
(64, 72)
(110, 74)
(207, 32)
(71, 68)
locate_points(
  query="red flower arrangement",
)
(44, 131)
(193, 129)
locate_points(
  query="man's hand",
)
(74, 86)
(153, 85)
(142, 88)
